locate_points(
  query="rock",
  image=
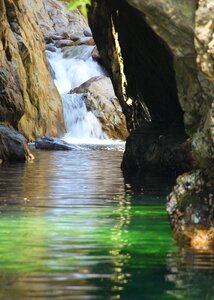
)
(51, 48)
(55, 37)
(51, 70)
(101, 100)
(29, 100)
(79, 52)
(190, 208)
(87, 31)
(64, 43)
(49, 143)
(13, 146)
(85, 41)
(54, 18)
(149, 150)
(95, 54)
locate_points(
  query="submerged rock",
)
(100, 99)
(13, 146)
(50, 143)
(78, 52)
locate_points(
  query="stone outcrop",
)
(161, 65)
(100, 99)
(29, 99)
(13, 146)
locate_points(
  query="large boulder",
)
(29, 99)
(13, 146)
(100, 99)
(148, 149)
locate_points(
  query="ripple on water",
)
(72, 228)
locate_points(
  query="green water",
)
(72, 228)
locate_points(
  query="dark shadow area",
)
(148, 66)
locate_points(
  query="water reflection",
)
(70, 228)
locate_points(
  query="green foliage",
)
(81, 4)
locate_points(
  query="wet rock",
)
(96, 55)
(51, 70)
(100, 99)
(51, 48)
(13, 146)
(148, 149)
(190, 207)
(49, 143)
(87, 32)
(79, 52)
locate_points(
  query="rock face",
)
(162, 58)
(29, 99)
(100, 99)
(13, 146)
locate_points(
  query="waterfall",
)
(72, 67)
(81, 125)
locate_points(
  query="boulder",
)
(29, 100)
(100, 99)
(50, 143)
(13, 146)
(148, 149)
(51, 48)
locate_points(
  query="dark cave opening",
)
(148, 66)
(157, 144)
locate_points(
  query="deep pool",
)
(72, 228)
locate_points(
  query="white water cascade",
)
(71, 69)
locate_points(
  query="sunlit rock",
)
(100, 99)
(30, 101)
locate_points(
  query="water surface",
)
(71, 228)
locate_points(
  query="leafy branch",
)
(81, 4)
